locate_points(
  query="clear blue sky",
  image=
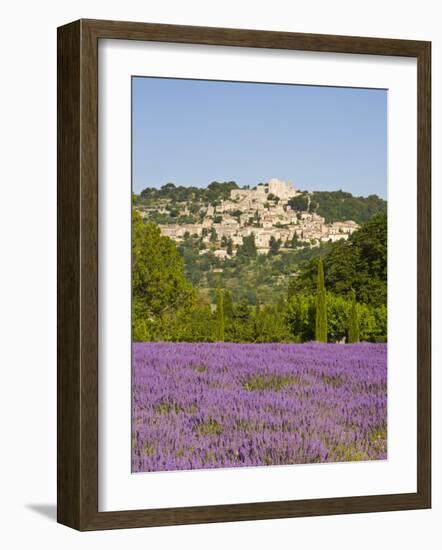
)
(192, 132)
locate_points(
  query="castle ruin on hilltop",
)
(276, 187)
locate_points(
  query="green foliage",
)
(299, 203)
(260, 277)
(272, 197)
(248, 247)
(294, 243)
(228, 305)
(239, 328)
(269, 325)
(360, 263)
(199, 327)
(258, 298)
(372, 323)
(300, 317)
(341, 206)
(158, 281)
(380, 324)
(337, 317)
(220, 190)
(212, 427)
(219, 335)
(260, 382)
(214, 192)
(353, 322)
(274, 246)
(371, 275)
(143, 330)
(321, 306)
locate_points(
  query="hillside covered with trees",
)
(179, 295)
(339, 205)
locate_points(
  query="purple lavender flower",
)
(227, 405)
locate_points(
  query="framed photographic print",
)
(243, 275)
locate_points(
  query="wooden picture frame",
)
(77, 225)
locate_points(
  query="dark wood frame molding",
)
(77, 225)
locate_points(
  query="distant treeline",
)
(339, 205)
(340, 296)
(212, 194)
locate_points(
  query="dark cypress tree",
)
(321, 306)
(229, 247)
(273, 246)
(219, 336)
(353, 321)
(248, 247)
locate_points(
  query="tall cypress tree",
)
(219, 316)
(353, 321)
(227, 305)
(321, 306)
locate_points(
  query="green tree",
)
(158, 282)
(228, 305)
(371, 269)
(341, 206)
(294, 243)
(321, 306)
(337, 317)
(274, 246)
(220, 190)
(169, 187)
(353, 320)
(200, 327)
(359, 263)
(300, 317)
(270, 326)
(299, 203)
(248, 247)
(241, 328)
(291, 288)
(229, 248)
(381, 321)
(256, 220)
(272, 197)
(219, 336)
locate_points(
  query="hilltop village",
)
(268, 212)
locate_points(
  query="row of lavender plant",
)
(229, 405)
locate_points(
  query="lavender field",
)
(228, 405)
